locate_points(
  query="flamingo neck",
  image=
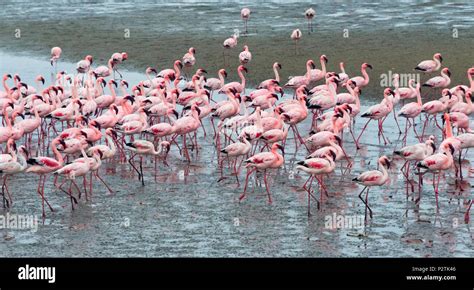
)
(277, 74)
(221, 78)
(112, 91)
(57, 154)
(341, 67)
(366, 75)
(418, 96)
(438, 63)
(323, 66)
(242, 79)
(449, 129)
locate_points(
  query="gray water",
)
(184, 211)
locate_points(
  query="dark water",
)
(184, 211)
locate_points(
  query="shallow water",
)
(184, 211)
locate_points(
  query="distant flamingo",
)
(55, 55)
(230, 43)
(245, 56)
(309, 15)
(245, 15)
(296, 36)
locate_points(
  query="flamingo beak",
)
(369, 66)
(281, 148)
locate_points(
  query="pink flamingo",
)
(43, 165)
(298, 81)
(235, 150)
(439, 81)
(189, 60)
(309, 15)
(245, 56)
(245, 15)
(411, 111)
(84, 65)
(117, 58)
(55, 55)
(186, 125)
(438, 162)
(215, 84)
(319, 74)
(104, 71)
(15, 166)
(296, 36)
(264, 161)
(230, 43)
(342, 76)
(466, 108)
(378, 112)
(317, 167)
(373, 178)
(271, 82)
(429, 66)
(416, 152)
(142, 148)
(236, 86)
(362, 81)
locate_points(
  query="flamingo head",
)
(89, 58)
(223, 72)
(243, 68)
(192, 50)
(40, 78)
(277, 65)
(471, 71)
(324, 58)
(447, 71)
(337, 139)
(7, 76)
(366, 65)
(385, 161)
(201, 71)
(124, 56)
(166, 146)
(438, 57)
(178, 63)
(150, 70)
(388, 92)
(111, 132)
(113, 82)
(124, 83)
(278, 146)
(310, 63)
(129, 98)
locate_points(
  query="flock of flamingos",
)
(75, 117)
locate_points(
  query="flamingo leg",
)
(242, 196)
(266, 186)
(363, 129)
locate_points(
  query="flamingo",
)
(411, 111)
(264, 161)
(55, 55)
(438, 162)
(186, 125)
(235, 150)
(215, 84)
(416, 152)
(245, 15)
(117, 58)
(298, 81)
(309, 15)
(429, 66)
(317, 167)
(373, 178)
(230, 43)
(319, 74)
(266, 84)
(295, 36)
(236, 86)
(103, 71)
(342, 76)
(142, 148)
(189, 60)
(10, 168)
(362, 81)
(439, 81)
(377, 112)
(245, 56)
(466, 108)
(83, 66)
(43, 165)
